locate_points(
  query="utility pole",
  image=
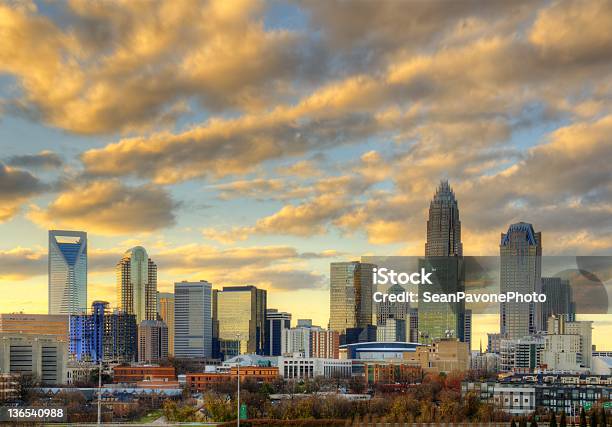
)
(238, 393)
(100, 392)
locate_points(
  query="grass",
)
(151, 416)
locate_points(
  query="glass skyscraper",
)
(193, 319)
(137, 284)
(67, 272)
(350, 295)
(443, 257)
(520, 271)
(165, 309)
(241, 316)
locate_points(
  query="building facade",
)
(276, 323)
(350, 295)
(152, 341)
(310, 367)
(42, 324)
(444, 259)
(165, 309)
(193, 319)
(137, 284)
(67, 272)
(41, 356)
(324, 344)
(241, 316)
(393, 330)
(520, 271)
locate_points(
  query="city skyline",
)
(321, 143)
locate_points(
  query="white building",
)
(310, 367)
(561, 353)
(193, 319)
(41, 356)
(297, 340)
(484, 362)
(521, 355)
(515, 400)
(557, 325)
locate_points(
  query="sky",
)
(250, 142)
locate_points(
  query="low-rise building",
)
(37, 324)
(311, 367)
(9, 387)
(446, 355)
(392, 373)
(205, 380)
(133, 374)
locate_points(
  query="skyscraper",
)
(241, 316)
(67, 272)
(443, 258)
(165, 308)
(276, 322)
(387, 309)
(193, 319)
(443, 225)
(520, 271)
(350, 295)
(558, 299)
(137, 284)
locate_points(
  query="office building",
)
(67, 272)
(134, 374)
(350, 295)
(103, 335)
(494, 342)
(413, 321)
(165, 310)
(241, 313)
(467, 328)
(387, 309)
(558, 299)
(520, 271)
(324, 344)
(41, 356)
(298, 340)
(446, 355)
(583, 329)
(393, 330)
(276, 323)
(152, 341)
(137, 284)
(521, 355)
(443, 258)
(484, 362)
(206, 380)
(561, 353)
(41, 324)
(193, 319)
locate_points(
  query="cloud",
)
(21, 263)
(16, 187)
(43, 160)
(107, 67)
(108, 207)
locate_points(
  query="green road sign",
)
(607, 405)
(243, 412)
(587, 406)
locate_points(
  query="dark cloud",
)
(42, 160)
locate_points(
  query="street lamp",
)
(238, 393)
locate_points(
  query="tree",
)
(583, 422)
(534, 423)
(593, 418)
(553, 419)
(563, 420)
(513, 423)
(602, 417)
(26, 385)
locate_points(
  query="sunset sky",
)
(244, 142)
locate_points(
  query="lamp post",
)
(238, 393)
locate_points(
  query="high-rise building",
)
(443, 258)
(413, 325)
(387, 309)
(193, 319)
(165, 309)
(467, 328)
(103, 335)
(520, 271)
(67, 272)
(276, 322)
(443, 225)
(41, 356)
(521, 355)
(40, 324)
(558, 299)
(297, 340)
(152, 341)
(137, 284)
(241, 313)
(350, 295)
(394, 330)
(583, 329)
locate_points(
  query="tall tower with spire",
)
(444, 258)
(443, 225)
